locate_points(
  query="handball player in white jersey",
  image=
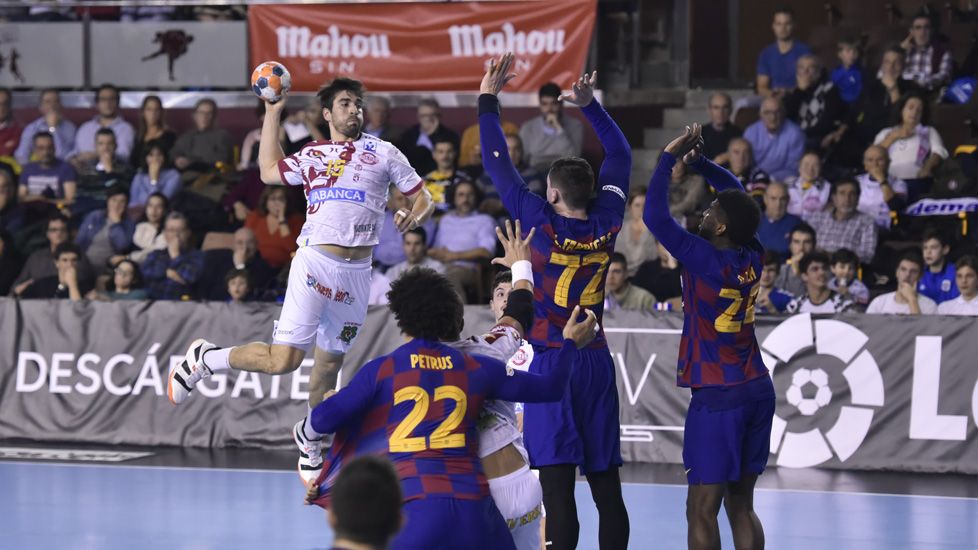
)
(346, 182)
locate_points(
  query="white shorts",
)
(326, 301)
(519, 498)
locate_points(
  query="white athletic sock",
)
(307, 430)
(217, 359)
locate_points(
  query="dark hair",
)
(205, 101)
(59, 217)
(845, 256)
(844, 181)
(550, 89)
(504, 276)
(636, 191)
(742, 215)
(425, 305)
(267, 192)
(166, 208)
(814, 257)
(849, 40)
(116, 189)
(339, 84)
(66, 247)
(573, 177)
(137, 275)
(772, 258)
(911, 255)
(234, 272)
(787, 10)
(367, 501)
(618, 258)
(805, 228)
(107, 86)
(902, 102)
(936, 234)
(156, 144)
(966, 261)
(475, 189)
(419, 231)
(44, 134)
(443, 139)
(141, 127)
(106, 132)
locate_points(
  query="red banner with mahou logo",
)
(424, 46)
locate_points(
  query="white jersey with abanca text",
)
(346, 185)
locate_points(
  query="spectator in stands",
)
(808, 192)
(416, 252)
(740, 162)
(845, 267)
(10, 263)
(238, 285)
(621, 294)
(12, 214)
(552, 134)
(818, 298)
(200, 150)
(304, 126)
(10, 131)
(635, 241)
(720, 130)
(928, 64)
(52, 121)
(905, 300)
(915, 148)
(771, 300)
(390, 248)
(470, 151)
(41, 262)
(47, 177)
(152, 129)
(777, 143)
(874, 110)
(377, 121)
(879, 194)
(107, 105)
(107, 165)
(419, 140)
(777, 224)
(464, 238)
(249, 147)
(243, 256)
(843, 225)
(801, 242)
(937, 280)
(154, 176)
(687, 192)
(172, 273)
(662, 278)
(126, 283)
(66, 283)
(967, 281)
(776, 63)
(536, 181)
(441, 181)
(105, 236)
(815, 105)
(149, 235)
(848, 76)
(276, 226)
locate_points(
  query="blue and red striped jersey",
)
(718, 345)
(569, 256)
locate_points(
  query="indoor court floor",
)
(108, 498)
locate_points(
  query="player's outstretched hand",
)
(581, 332)
(582, 91)
(686, 142)
(694, 153)
(405, 220)
(515, 247)
(312, 493)
(277, 107)
(497, 75)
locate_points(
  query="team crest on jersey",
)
(946, 285)
(519, 358)
(370, 145)
(348, 333)
(368, 158)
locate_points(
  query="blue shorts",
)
(728, 431)
(583, 428)
(448, 524)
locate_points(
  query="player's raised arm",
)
(348, 403)
(519, 306)
(617, 165)
(714, 174)
(270, 151)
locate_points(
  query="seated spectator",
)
(419, 140)
(620, 293)
(662, 278)
(12, 214)
(41, 263)
(107, 105)
(915, 148)
(740, 162)
(777, 224)
(635, 241)
(105, 236)
(771, 300)
(10, 131)
(535, 180)
(107, 165)
(776, 63)
(937, 280)
(817, 298)
(815, 105)
(552, 134)
(800, 242)
(464, 238)
(249, 147)
(276, 226)
(777, 143)
(244, 256)
(390, 248)
(967, 281)
(843, 226)
(172, 273)
(720, 130)
(441, 181)
(416, 251)
(148, 235)
(126, 283)
(48, 177)
(928, 64)
(377, 119)
(470, 151)
(304, 126)
(10, 263)
(879, 194)
(154, 176)
(848, 76)
(905, 300)
(808, 192)
(687, 192)
(845, 267)
(238, 285)
(874, 109)
(200, 150)
(66, 283)
(243, 196)
(152, 129)
(52, 121)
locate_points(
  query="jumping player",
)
(728, 425)
(576, 233)
(346, 182)
(421, 404)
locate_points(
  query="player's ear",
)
(553, 195)
(327, 115)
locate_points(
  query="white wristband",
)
(522, 271)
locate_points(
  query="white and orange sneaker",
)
(185, 375)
